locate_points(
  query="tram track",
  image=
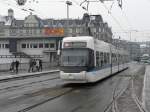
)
(38, 74)
(26, 84)
(64, 92)
(135, 98)
(113, 107)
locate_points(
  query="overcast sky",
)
(134, 17)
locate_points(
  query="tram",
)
(85, 59)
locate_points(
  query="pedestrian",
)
(12, 66)
(40, 65)
(37, 65)
(34, 65)
(17, 65)
(30, 65)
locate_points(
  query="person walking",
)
(30, 65)
(37, 65)
(12, 66)
(40, 65)
(17, 65)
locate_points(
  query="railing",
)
(25, 66)
(20, 56)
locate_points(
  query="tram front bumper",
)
(73, 76)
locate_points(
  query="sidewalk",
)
(146, 89)
(24, 73)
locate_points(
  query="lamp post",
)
(68, 4)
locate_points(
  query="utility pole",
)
(68, 4)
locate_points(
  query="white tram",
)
(85, 59)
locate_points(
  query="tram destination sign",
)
(75, 44)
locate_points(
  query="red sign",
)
(54, 31)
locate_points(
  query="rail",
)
(135, 98)
(113, 105)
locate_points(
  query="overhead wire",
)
(113, 16)
(79, 4)
(22, 8)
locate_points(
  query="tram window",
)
(91, 58)
(112, 57)
(105, 58)
(101, 59)
(97, 58)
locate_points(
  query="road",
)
(49, 94)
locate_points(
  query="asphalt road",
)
(48, 94)
(14, 94)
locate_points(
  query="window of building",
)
(6, 45)
(23, 45)
(27, 31)
(35, 45)
(52, 45)
(40, 45)
(3, 45)
(70, 30)
(27, 25)
(46, 45)
(28, 46)
(30, 31)
(31, 45)
(0, 45)
(40, 30)
(35, 31)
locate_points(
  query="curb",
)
(26, 75)
(144, 88)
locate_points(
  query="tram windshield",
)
(74, 57)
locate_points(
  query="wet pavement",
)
(50, 94)
(89, 98)
(18, 94)
(126, 102)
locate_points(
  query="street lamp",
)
(68, 4)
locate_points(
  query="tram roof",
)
(77, 38)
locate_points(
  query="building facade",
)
(132, 47)
(37, 38)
